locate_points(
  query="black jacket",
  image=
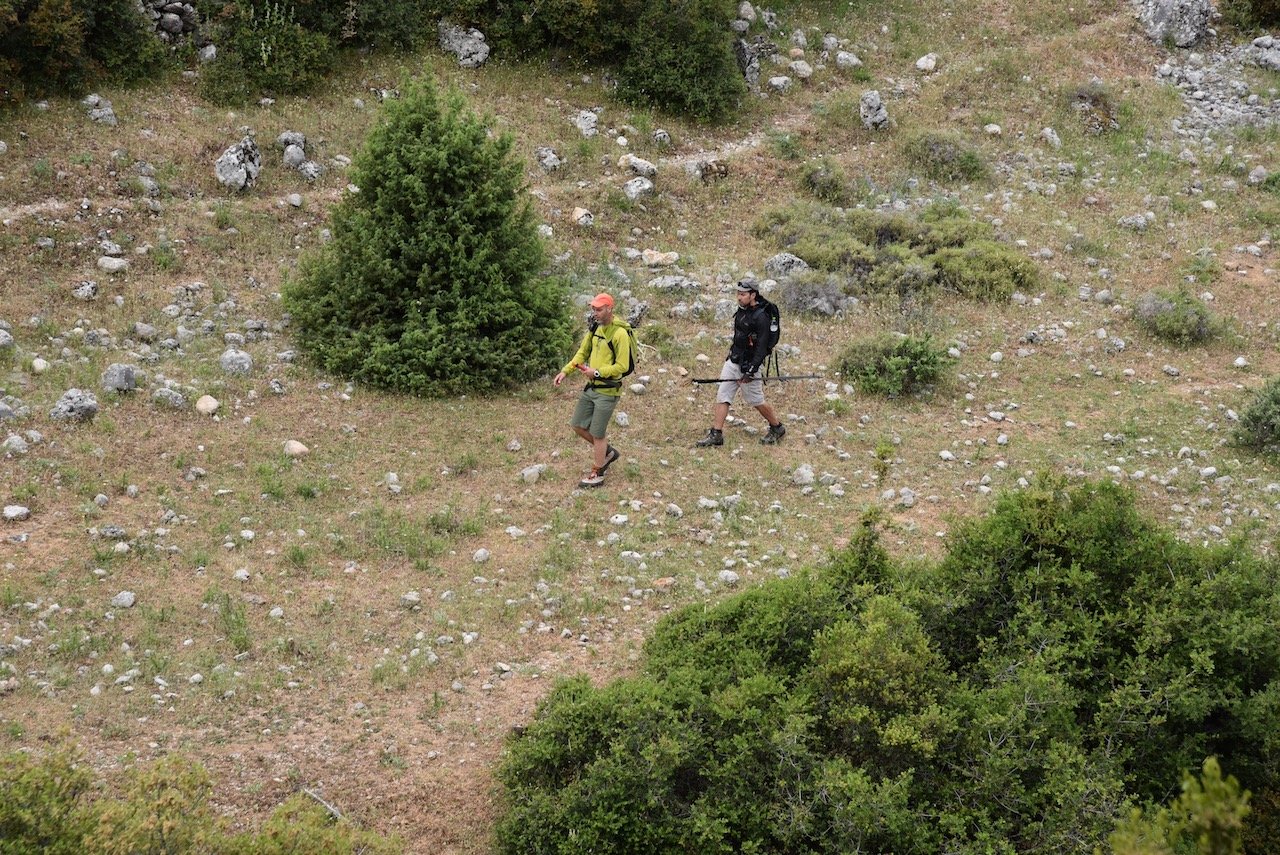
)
(750, 331)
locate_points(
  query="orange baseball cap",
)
(601, 301)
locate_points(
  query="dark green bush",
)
(945, 157)
(892, 364)
(396, 24)
(1259, 426)
(1175, 316)
(984, 270)
(61, 46)
(680, 58)
(576, 32)
(263, 49)
(1251, 14)
(431, 285)
(1065, 662)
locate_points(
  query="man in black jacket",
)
(741, 369)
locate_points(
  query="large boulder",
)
(466, 43)
(238, 167)
(75, 405)
(1184, 22)
(120, 377)
(875, 115)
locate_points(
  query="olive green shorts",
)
(594, 411)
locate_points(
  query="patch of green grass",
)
(392, 533)
(165, 258)
(784, 145)
(232, 619)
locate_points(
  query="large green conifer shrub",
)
(430, 284)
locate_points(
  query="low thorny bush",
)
(876, 253)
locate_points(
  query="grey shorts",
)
(594, 411)
(752, 393)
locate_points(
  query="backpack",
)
(775, 332)
(613, 349)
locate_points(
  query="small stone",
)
(16, 513)
(207, 405)
(124, 600)
(293, 448)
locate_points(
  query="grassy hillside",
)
(394, 707)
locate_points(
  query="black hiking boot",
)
(775, 434)
(611, 454)
(713, 437)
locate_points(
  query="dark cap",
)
(748, 285)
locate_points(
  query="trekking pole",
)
(783, 377)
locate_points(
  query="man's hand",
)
(587, 369)
(559, 378)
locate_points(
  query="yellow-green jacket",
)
(596, 353)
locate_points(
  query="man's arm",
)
(579, 358)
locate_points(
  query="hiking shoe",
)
(610, 455)
(775, 434)
(594, 479)
(713, 437)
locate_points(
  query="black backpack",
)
(771, 339)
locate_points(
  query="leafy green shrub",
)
(899, 270)
(44, 805)
(892, 364)
(947, 224)
(837, 252)
(984, 270)
(680, 58)
(577, 32)
(944, 157)
(1259, 426)
(430, 284)
(262, 48)
(1065, 661)
(51, 46)
(1251, 14)
(1207, 818)
(1175, 316)
(1271, 183)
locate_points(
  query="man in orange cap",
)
(605, 357)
